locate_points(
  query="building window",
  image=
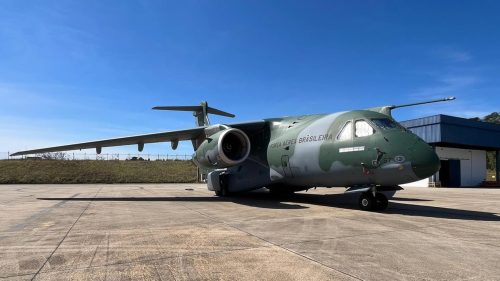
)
(346, 132)
(363, 129)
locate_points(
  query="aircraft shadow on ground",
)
(262, 199)
(269, 203)
(410, 199)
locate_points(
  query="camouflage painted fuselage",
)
(362, 149)
(304, 151)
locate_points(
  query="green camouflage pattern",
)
(305, 151)
(297, 151)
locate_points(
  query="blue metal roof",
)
(455, 131)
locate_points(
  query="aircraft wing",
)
(140, 140)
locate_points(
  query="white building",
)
(461, 144)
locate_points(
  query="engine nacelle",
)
(223, 149)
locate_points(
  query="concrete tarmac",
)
(184, 232)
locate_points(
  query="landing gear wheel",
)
(367, 202)
(382, 201)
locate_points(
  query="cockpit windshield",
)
(386, 123)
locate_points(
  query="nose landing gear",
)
(369, 202)
(372, 197)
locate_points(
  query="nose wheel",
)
(369, 202)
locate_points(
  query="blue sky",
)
(73, 71)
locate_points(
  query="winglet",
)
(200, 112)
(387, 109)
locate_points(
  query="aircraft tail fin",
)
(200, 112)
(387, 109)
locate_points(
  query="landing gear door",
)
(285, 164)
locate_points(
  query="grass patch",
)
(92, 171)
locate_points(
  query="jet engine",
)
(223, 149)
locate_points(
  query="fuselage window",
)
(346, 132)
(363, 129)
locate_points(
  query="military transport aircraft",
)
(366, 151)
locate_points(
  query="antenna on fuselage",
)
(387, 109)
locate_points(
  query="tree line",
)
(493, 117)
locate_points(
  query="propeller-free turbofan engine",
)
(223, 149)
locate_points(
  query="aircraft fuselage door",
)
(285, 164)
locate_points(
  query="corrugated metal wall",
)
(429, 133)
(454, 130)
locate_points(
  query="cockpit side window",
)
(385, 123)
(346, 132)
(363, 129)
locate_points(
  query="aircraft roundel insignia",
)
(399, 159)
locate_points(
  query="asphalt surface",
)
(184, 232)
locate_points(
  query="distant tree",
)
(493, 117)
(490, 160)
(54, 156)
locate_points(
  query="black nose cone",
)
(425, 161)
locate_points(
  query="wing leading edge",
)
(140, 140)
(196, 135)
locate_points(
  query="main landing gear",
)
(281, 192)
(223, 190)
(370, 202)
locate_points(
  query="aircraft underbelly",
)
(340, 175)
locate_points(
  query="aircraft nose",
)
(425, 161)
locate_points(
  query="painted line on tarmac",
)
(66, 235)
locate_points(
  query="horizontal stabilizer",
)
(200, 112)
(210, 110)
(178, 108)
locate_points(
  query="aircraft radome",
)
(366, 151)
